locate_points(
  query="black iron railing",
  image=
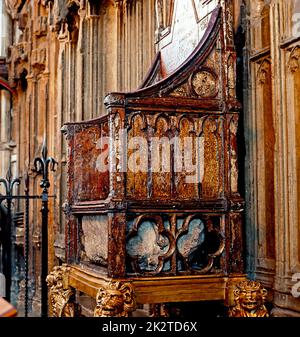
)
(42, 166)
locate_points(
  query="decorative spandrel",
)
(205, 81)
(204, 84)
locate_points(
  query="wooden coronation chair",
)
(151, 236)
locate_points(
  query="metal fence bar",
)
(8, 251)
(21, 197)
(26, 244)
(6, 254)
(42, 166)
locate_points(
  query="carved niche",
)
(264, 71)
(293, 62)
(13, 7)
(64, 16)
(203, 83)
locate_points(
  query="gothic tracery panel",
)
(174, 244)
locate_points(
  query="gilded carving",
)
(231, 77)
(116, 299)
(204, 84)
(62, 302)
(234, 157)
(249, 297)
(229, 23)
(293, 62)
(180, 91)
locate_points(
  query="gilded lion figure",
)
(115, 300)
(62, 297)
(249, 297)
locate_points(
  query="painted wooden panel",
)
(90, 182)
(94, 239)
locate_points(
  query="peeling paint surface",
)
(95, 239)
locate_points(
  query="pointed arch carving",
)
(293, 61)
(264, 71)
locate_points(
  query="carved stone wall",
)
(272, 163)
(5, 145)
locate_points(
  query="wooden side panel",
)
(87, 151)
(71, 237)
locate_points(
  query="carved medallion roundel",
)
(204, 84)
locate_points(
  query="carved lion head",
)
(250, 296)
(115, 300)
